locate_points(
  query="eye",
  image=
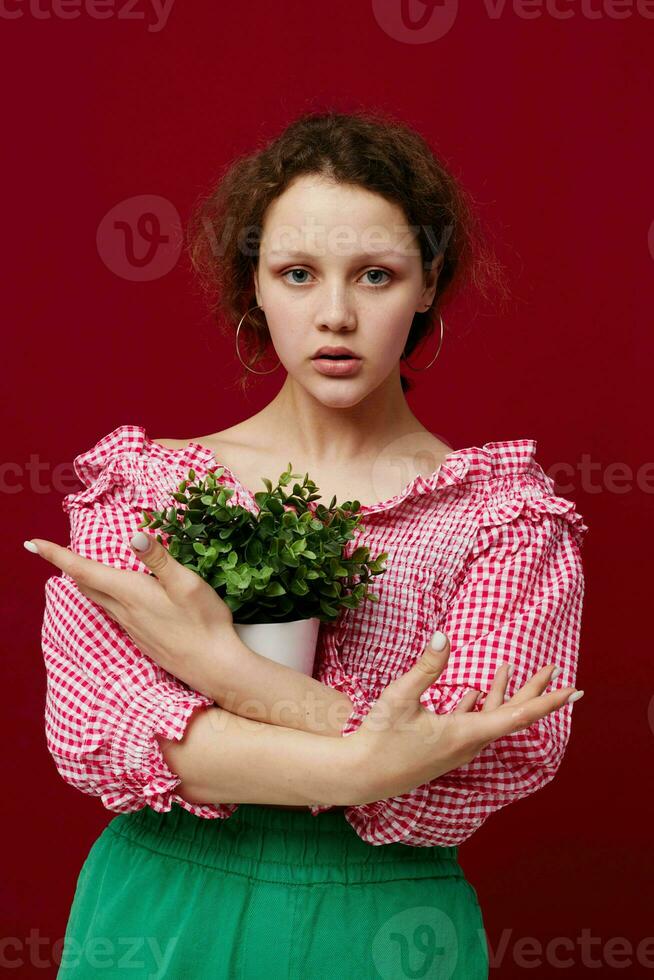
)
(377, 272)
(374, 272)
(291, 271)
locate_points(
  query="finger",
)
(468, 701)
(424, 672)
(509, 717)
(536, 684)
(497, 693)
(94, 574)
(171, 573)
(526, 713)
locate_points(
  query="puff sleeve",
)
(106, 702)
(519, 600)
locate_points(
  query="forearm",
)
(258, 688)
(224, 758)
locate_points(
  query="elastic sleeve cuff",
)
(135, 754)
(339, 680)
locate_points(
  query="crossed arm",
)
(225, 758)
(265, 743)
(255, 687)
(262, 738)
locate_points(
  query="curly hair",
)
(366, 148)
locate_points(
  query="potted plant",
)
(281, 571)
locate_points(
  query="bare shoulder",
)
(425, 438)
(441, 446)
(172, 443)
(213, 440)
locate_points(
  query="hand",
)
(403, 745)
(176, 618)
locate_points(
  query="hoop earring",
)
(440, 344)
(238, 353)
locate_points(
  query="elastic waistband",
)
(290, 846)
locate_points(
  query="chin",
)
(347, 396)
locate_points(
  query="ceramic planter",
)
(292, 644)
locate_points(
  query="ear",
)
(431, 279)
(256, 286)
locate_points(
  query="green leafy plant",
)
(283, 563)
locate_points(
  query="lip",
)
(337, 369)
(335, 351)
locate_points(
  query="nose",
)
(335, 310)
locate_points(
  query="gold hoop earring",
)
(238, 353)
(440, 344)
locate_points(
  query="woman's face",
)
(340, 266)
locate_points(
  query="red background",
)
(545, 120)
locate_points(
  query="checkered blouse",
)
(482, 549)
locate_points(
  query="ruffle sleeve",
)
(106, 701)
(520, 600)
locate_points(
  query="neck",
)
(339, 432)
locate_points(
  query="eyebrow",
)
(300, 254)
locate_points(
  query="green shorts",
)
(268, 893)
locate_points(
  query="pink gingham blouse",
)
(482, 549)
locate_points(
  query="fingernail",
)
(438, 640)
(575, 697)
(555, 673)
(140, 541)
(510, 669)
(31, 547)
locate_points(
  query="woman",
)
(245, 844)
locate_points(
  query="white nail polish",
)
(438, 640)
(140, 541)
(31, 547)
(555, 673)
(575, 697)
(511, 669)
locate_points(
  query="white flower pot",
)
(292, 644)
